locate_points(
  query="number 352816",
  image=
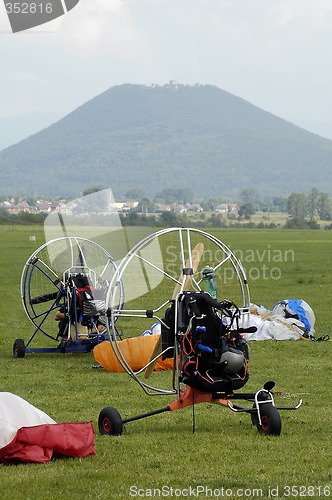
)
(28, 8)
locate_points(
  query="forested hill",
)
(177, 136)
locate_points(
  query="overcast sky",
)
(276, 54)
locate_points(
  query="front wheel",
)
(110, 421)
(270, 420)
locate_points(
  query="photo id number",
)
(306, 491)
(28, 8)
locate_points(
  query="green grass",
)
(225, 451)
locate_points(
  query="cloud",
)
(96, 26)
(4, 21)
(273, 53)
(314, 15)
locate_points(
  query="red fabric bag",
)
(41, 443)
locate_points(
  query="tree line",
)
(304, 210)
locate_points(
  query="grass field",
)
(161, 456)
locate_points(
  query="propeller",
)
(196, 256)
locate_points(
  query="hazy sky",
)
(276, 54)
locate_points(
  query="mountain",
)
(323, 129)
(16, 128)
(172, 136)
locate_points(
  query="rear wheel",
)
(110, 421)
(19, 348)
(270, 420)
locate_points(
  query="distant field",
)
(279, 218)
(266, 219)
(225, 451)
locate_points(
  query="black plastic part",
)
(268, 386)
(144, 415)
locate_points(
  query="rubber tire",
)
(271, 421)
(19, 348)
(110, 422)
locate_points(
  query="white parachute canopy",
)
(289, 319)
(15, 413)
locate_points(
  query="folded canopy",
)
(135, 350)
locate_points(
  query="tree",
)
(316, 205)
(185, 195)
(135, 194)
(92, 190)
(250, 196)
(216, 221)
(246, 210)
(296, 222)
(131, 219)
(324, 207)
(313, 199)
(297, 205)
(145, 205)
(210, 205)
(168, 219)
(171, 195)
(166, 195)
(279, 204)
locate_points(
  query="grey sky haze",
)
(275, 54)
